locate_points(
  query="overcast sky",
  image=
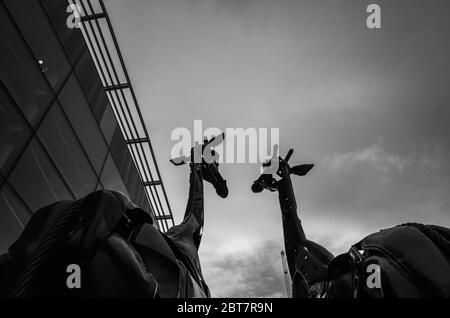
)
(370, 108)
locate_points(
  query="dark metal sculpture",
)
(307, 260)
(187, 235)
(114, 243)
(380, 265)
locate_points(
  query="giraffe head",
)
(204, 159)
(267, 180)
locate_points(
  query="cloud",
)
(255, 272)
(336, 234)
(374, 155)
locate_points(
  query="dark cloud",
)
(374, 178)
(255, 273)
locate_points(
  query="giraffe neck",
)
(286, 196)
(294, 236)
(195, 205)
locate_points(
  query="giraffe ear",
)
(301, 170)
(179, 161)
(216, 140)
(288, 155)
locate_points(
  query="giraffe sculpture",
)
(307, 260)
(113, 245)
(187, 235)
(380, 265)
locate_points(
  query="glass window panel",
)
(14, 131)
(36, 179)
(99, 186)
(111, 178)
(40, 37)
(60, 141)
(134, 185)
(127, 169)
(90, 81)
(108, 123)
(21, 73)
(121, 154)
(80, 115)
(13, 218)
(71, 38)
(99, 103)
(141, 199)
(119, 149)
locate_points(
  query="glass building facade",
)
(59, 135)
